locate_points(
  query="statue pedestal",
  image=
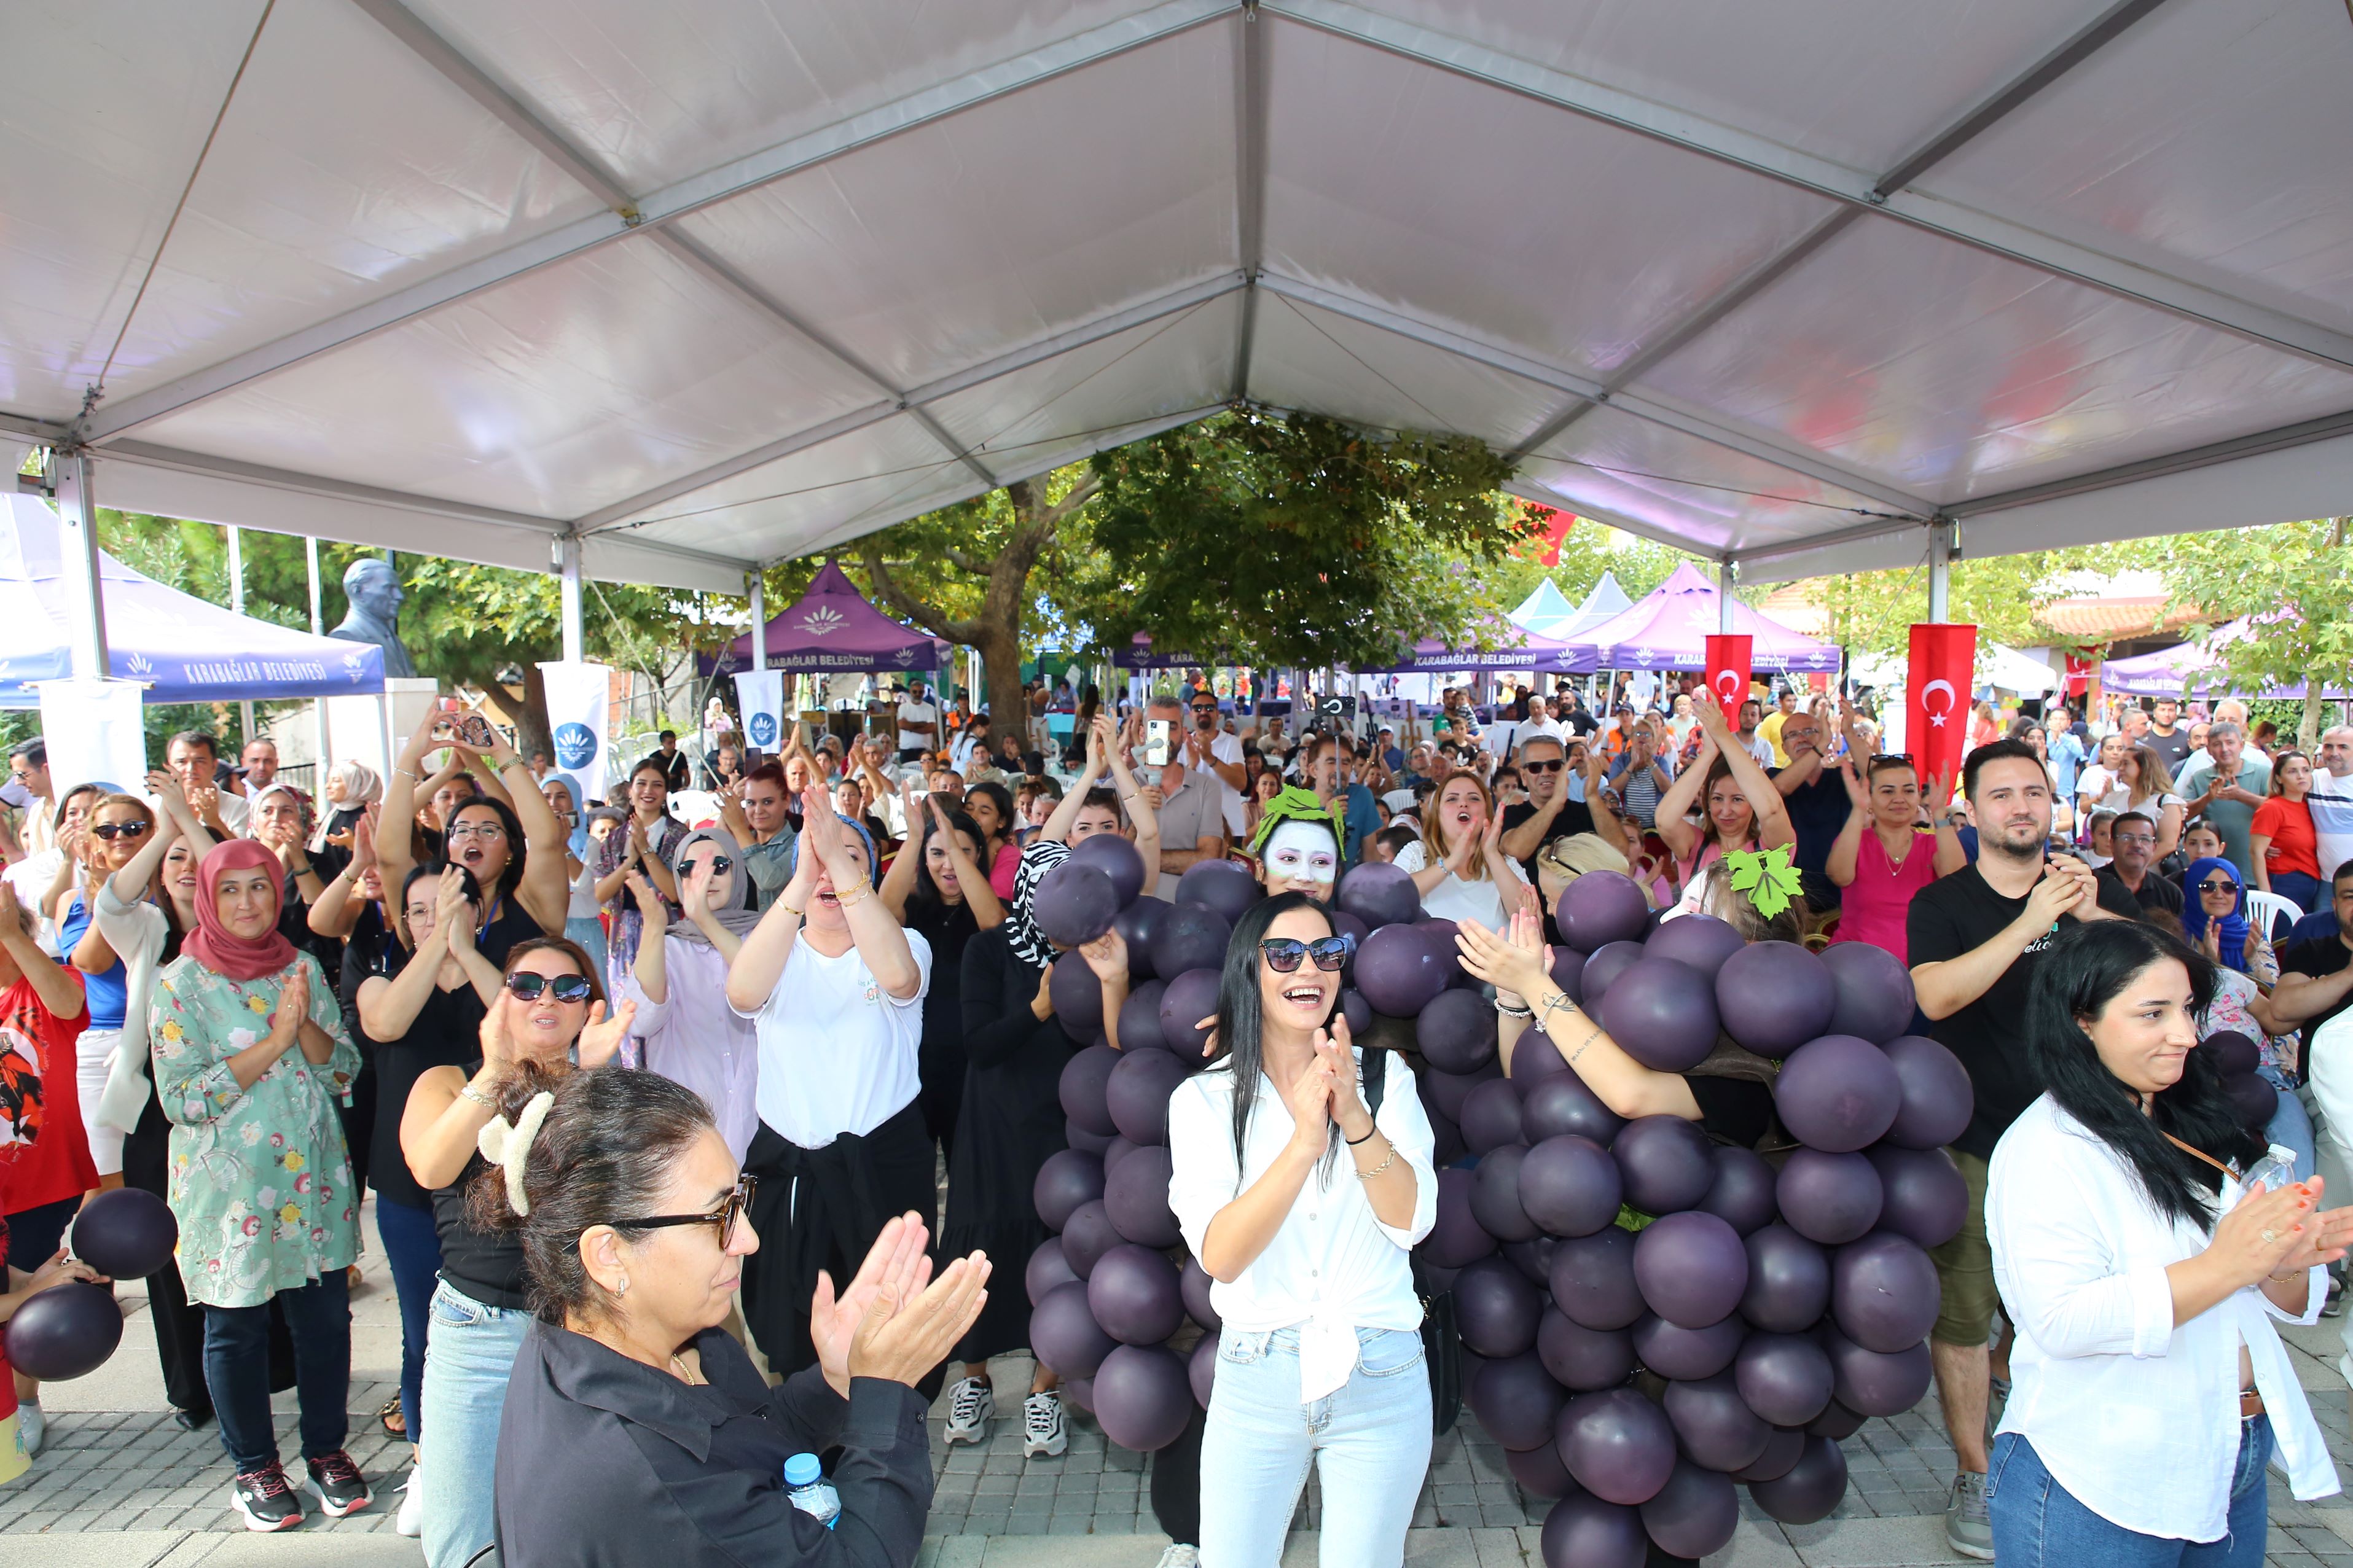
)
(371, 729)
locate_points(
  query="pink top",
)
(1873, 906)
(1001, 872)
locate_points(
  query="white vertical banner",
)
(760, 695)
(579, 702)
(95, 732)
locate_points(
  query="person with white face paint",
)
(1297, 846)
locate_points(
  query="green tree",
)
(2291, 579)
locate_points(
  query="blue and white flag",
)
(579, 702)
(760, 694)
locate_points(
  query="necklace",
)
(684, 1375)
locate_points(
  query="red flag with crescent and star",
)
(1728, 672)
(1937, 698)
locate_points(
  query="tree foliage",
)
(2291, 579)
(2003, 596)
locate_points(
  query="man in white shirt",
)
(259, 762)
(29, 762)
(1541, 725)
(2331, 800)
(1752, 714)
(193, 756)
(919, 723)
(1208, 749)
(975, 737)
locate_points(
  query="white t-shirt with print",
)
(1456, 898)
(1226, 749)
(913, 712)
(836, 1051)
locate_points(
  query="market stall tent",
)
(1803, 287)
(1670, 627)
(832, 627)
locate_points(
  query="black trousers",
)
(821, 1209)
(179, 1326)
(1176, 1483)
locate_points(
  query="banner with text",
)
(760, 695)
(1730, 671)
(579, 700)
(1936, 700)
(95, 733)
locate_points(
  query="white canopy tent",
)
(1805, 287)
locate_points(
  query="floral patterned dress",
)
(261, 1179)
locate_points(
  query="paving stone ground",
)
(119, 1471)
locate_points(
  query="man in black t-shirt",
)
(1548, 813)
(2133, 869)
(2316, 977)
(1577, 719)
(1974, 937)
(2168, 737)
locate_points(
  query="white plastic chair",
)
(2265, 911)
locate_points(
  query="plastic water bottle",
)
(810, 1492)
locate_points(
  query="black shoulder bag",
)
(1441, 1342)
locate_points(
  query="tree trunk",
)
(1000, 658)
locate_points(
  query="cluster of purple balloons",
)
(1650, 1319)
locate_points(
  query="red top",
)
(42, 1139)
(2289, 824)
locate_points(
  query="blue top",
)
(109, 990)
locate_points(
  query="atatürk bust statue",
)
(375, 593)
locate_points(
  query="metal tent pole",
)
(1728, 572)
(69, 479)
(1940, 571)
(318, 629)
(236, 606)
(567, 565)
(759, 623)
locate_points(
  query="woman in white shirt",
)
(1458, 862)
(1301, 1204)
(2147, 785)
(2100, 786)
(2149, 1387)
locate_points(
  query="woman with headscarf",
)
(349, 790)
(583, 919)
(251, 1057)
(684, 1028)
(2214, 917)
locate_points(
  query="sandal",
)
(391, 1418)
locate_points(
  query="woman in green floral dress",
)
(251, 1058)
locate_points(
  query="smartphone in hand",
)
(1156, 743)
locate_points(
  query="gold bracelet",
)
(1377, 1170)
(789, 909)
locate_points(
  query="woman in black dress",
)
(935, 887)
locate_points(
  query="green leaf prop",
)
(1766, 876)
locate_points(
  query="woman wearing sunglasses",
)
(550, 1005)
(1301, 1204)
(637, 1430)
(118, 826)
(684, 1029)
(2246, 970)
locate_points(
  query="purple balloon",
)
(1715, 1428)
(1346, 924)
(1583, 1531)
(1064, 1333)
(1672, 1350)
(1135, 1196)
(1068, 1177)
(1873, 992)
(1785, 1378)
(1836, 1422)
(1662, 1012)
(1220, 884)
(1116, 858)
(1532, 1258)
(125, 1233)
(1884, 1292)
(1788, 1281)
(1781, 1453)
(1539, 1472)
(1742, 1194)
(1357, 1011)
(1133, 1293)
(1088, 1235)
(1120, 1149)
(1601, 969)
(1137, 925)
(1830, 1198)
(1694, 1513)
(1871, 1383)
(1456, 1237)
(1667, 1163)
(1617, 1445)
(1192, 1284)
(1593, 1279)
(1495, 1194)
(1138, 1094)
(1379, 894)
(1190, 936)
(1937, 1100)
(1080, 1392)
(1569, 1186)
(1139, 1015)
(2252, 1100)
(1190, 997)
(1201, 1368)
(1775, 996)
(1491, 1116)
(1838, 1093)
(1074, 904)
(1096, 1143)
(1581, 1358)
(1047, 1269)
(1536, 1060)
(1144, 1397)
(1703, 941)
(1810, 1490)
(1517, 1402)
(64, 1332)
(1399, 971)
(1445, 1092)
(1927, 1198)
(1568, 971)
(1602, 907)
(1457, 1031)
(1086, 1080)
(2233, 1052)
(1690, 1269)
(1497, 1308)
(1561, 1103)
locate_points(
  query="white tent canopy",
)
(718, 283)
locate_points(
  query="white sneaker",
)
(1041, 1426)
(1177, 1556)
(411, 1518)
(31, 1426)
(972, 1408)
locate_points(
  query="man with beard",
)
(1974, 939)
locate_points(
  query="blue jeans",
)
(589, 932)
(2290, 1127)
(1370, 1442)
(2304, 890)
(236, 1371)
(414, 1249)
(469, 1355)
(2036, 1524)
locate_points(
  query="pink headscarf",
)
(212, 943)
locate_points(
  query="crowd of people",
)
(655, 1112)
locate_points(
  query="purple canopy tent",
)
(832, 628)
(1520, 649)
(1670, 627)
(2194, 668)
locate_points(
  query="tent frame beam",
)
(1251, 113)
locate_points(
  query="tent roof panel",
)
(1307, 356)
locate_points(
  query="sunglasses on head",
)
(2211, 886)
(1552, 766)
(1283, 953)
(110, 831)
(731, 1208)
(528, 983)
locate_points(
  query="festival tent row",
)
(2195, 669)
(832, 629)
(1670, 628)
(1547, 613)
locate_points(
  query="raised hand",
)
(1335, 1059)
(901, 1339)
(1107, 955)
(497, 1038)
(453, 912)
(1856, 794)
(650, 907)
(601, 1035)
(1940, 796)
(694, 893)
(293, 1004)
(1514, 964)
(363, 830)
(939, 814)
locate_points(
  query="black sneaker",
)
(341, 1489)
(265, 1500)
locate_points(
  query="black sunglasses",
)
(2211, 886)
(731, 1208)
(720, 863)
(1283, 953)
(110, 831)
(528, 983)
(1551, 767)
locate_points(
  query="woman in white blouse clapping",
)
(2150, 1387)
(1300, 1202)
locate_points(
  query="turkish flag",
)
(1937, 698)
(1728, 672)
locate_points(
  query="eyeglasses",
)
(110, 831)
(2134, 837)
(528, 983)
(731, 1208)
(484, 830)
(1283, 953)
(1552, 766)
(2211, 886)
